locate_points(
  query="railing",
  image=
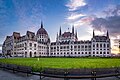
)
(92, 74)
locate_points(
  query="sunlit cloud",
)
(75, 4)
(83, 21)
(74, 16)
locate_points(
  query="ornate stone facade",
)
(66, 45)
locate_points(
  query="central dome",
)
(42, 30)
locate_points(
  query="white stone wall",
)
(42, 49)
(27, 48)
(73, 50)
(101, 49)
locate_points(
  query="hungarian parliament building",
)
(66, 45)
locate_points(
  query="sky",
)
(85, 15)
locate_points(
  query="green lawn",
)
(65, 63)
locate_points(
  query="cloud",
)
(74, 16)
(75, 4)
(111, 22)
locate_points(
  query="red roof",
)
(66, 34)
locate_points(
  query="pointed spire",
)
(73, 29)
(76, 34)
(41, 24)
(60, 31)
(93, 33)
(107, 34)
(57, 36)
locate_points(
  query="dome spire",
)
(41, 24)
(42, 30)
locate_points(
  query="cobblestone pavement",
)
(8, 75)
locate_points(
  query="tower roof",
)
(42, 30)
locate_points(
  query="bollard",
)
(116, 71)
(65, 74)
(40, 76)
(93, 73)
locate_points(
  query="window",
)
(104, 45)
(89, 52)
(93, 45)
(25, 44)
(51, 47)
(82, 46)
(89, 46)
(34, 45)
(67, 47)
(96, 45)
(100, 45)
(75, 46)
(97, 52)
(30, 44)
(25, 48)
(108, 45)
(25, 54)
(104, 52)
(34, 54)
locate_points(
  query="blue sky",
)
(23, 15)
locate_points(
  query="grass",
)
(64, 63)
